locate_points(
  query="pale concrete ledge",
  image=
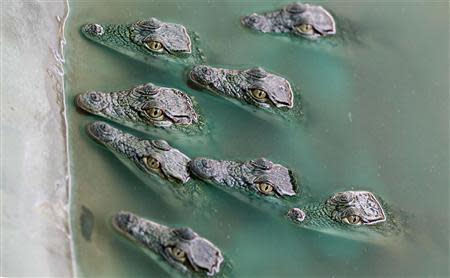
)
(35, 230)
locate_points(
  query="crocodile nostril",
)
(296, 214)
(253, 18)
(94, 97)
(206, 163)
(206, 71)
(94, 29)
(103, 127)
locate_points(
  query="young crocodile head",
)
(144, 104)
(354, 214)
(181, 248)
(254, 86)
(145, 38)
(155, 157)
(305, 20)
(258, 179)
(355, 208)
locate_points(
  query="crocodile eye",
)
(304, 28)
(352, 220)
(154, 46)
(265, 188)
(152, 163)
(177, 254)
(155, 113)
(259, 94)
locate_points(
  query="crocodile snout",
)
(92, 102)
(203, 167)
(102, 132)
(256, 22)
(201, 74)
(93, 29)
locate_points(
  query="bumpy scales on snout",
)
(301, 19)
(253, 86)
(146, 38)
(181, 248)
(145, 104)
(154, 157)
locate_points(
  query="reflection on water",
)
(376, 118)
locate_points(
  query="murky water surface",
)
(376, 118)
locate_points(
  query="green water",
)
(376, 118)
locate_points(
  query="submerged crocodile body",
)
(178, 248)
(299, 19)
(146, 39)
(253, 86)
(354, 214)
(147, 105)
